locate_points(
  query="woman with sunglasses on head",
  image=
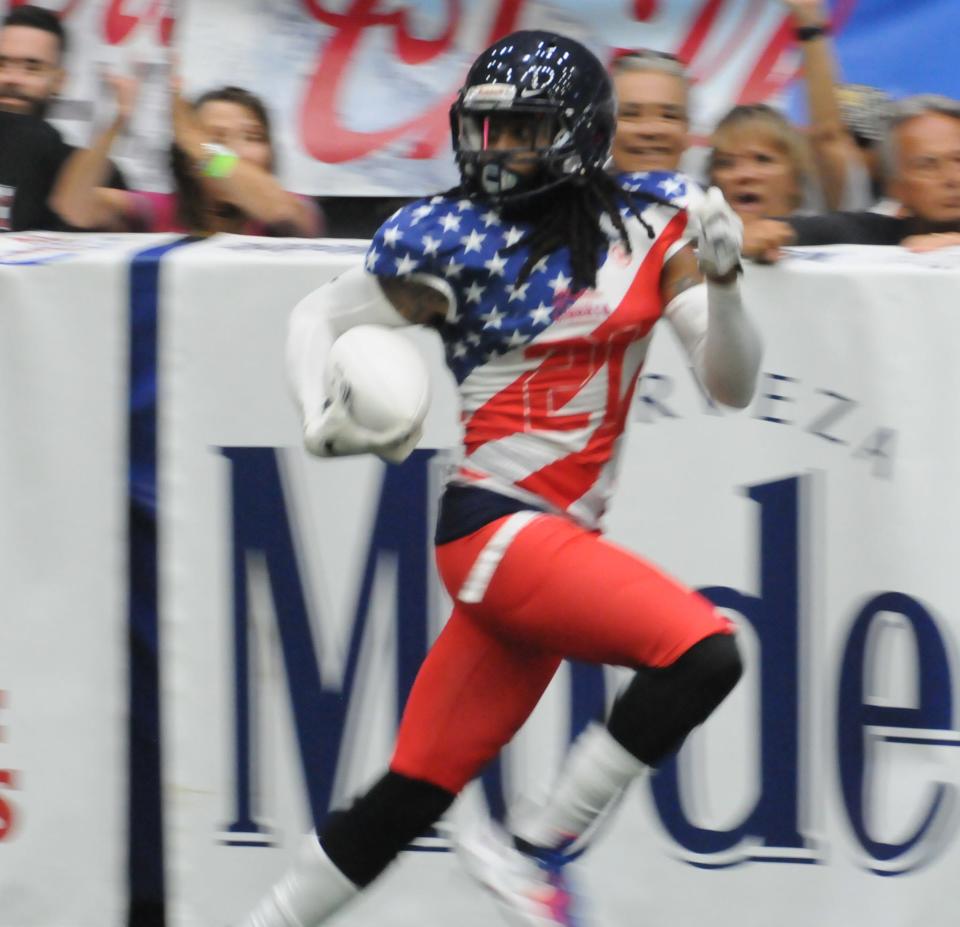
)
(544, 276)
(223, 163)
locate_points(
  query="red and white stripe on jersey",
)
(544, 422)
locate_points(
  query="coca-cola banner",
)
(359, 89)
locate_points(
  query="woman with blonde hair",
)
(762, 164)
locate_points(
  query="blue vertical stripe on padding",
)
(145, 846)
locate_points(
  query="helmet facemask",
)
(508, 148)
(506, 152)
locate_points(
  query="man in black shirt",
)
(31, 154)
(32, 46)
(922, 154)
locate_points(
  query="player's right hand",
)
(333, 433)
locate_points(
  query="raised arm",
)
(80, 195)
(708, 315)
(247, 186)
(833, 147)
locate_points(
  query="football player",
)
(545, 277)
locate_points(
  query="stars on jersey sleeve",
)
(496, 266)
(541, 315)
(511, 236)
(452, 269)
(474, 293)
(406, 264)
(472, 242)
(391, 235)
(450, 222)
(420, 212)
(493, 318)
(517, 291)
(560, 283)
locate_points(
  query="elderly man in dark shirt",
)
(922, 152)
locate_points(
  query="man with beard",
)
(32, 47)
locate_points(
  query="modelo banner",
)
(299, 597)
(359, 89)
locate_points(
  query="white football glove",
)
(719, 235)
(333, 433)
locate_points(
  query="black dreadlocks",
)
(570, 215)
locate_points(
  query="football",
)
(381, 378)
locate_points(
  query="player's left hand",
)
(719, 234)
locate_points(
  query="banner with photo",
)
(64, 335)
(359, 89)
(299, 597)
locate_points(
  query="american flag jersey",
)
(545, 375)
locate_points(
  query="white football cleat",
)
(532, 891)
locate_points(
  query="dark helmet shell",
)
(541, 73)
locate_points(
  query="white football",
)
(381, 378)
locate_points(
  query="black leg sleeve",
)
(364, 839)
(662, 706)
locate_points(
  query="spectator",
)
(922, 159)
(652, 91)
(32, 48)
(222, 161)
(31, 153)
(762, 163)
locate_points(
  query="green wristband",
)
(221, 161)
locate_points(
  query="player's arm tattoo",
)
(679, 273)
(416, 302)
(675, 287)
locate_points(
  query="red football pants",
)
(528, 590)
